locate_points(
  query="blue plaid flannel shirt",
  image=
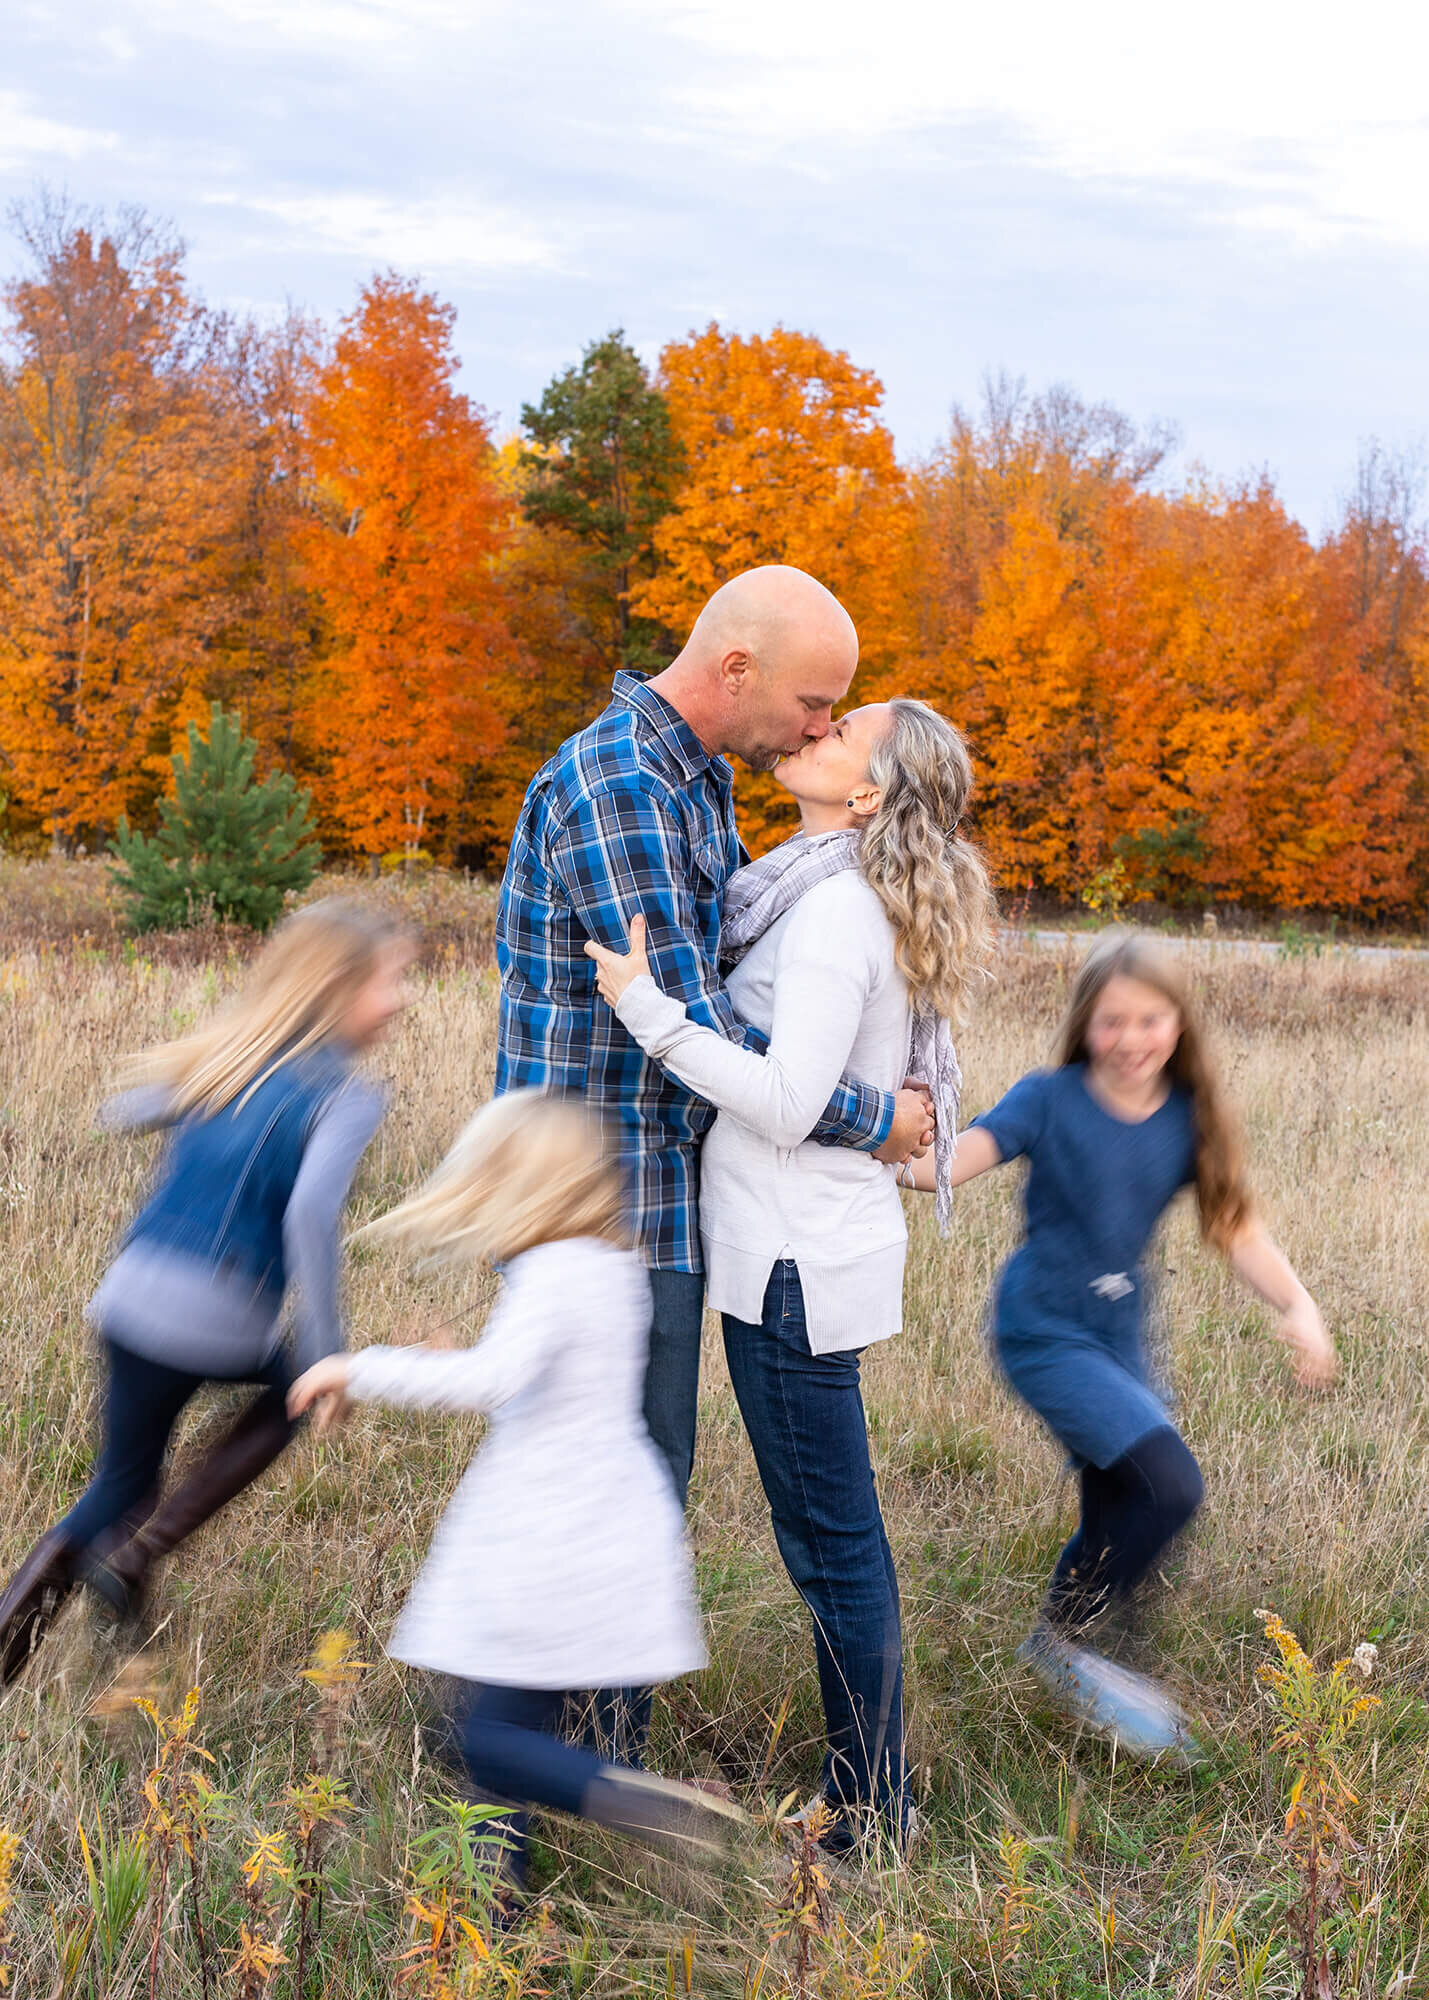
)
(632, 815)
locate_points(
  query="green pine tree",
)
(604, 467)
(226, 847)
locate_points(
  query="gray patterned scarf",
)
(757, 895)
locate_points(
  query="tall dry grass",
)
(1049, 1868)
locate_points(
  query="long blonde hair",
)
(1223, 1198)
(527, 1169)
(301, 986)
(928, 875)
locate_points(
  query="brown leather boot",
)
(661, 1812)
(121, 1580)
(34, 1594)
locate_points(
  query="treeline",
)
(1180, 692)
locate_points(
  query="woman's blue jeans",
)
(805, 1418)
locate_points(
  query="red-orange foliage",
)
(400, 551)
(1181, 682)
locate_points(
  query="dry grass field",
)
(1049, 1868)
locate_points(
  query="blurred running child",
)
(1131, 1115)
(268, 1121)
(560, 1564)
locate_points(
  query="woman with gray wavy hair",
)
(853, 947)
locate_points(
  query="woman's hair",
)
(527, 1169)
(296, 996)
(928, 876)
(1222, 1195)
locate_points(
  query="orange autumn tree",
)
(1055, 454)
(1034, 710)
(786, 461)
(261, 661)
(1284, 751)
(1174, 686)
(560, 676)
(1013, 519)
(1375, 570)
(1171, 696)
(1414, 709)
(400, 550)
(119, 481)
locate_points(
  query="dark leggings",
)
(143, 1401)
(515, 1753)
(1130, 1511)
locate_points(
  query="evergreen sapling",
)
(226, 847)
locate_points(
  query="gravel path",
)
(1240, 947)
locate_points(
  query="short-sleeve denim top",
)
(1097, 1186)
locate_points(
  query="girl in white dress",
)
(560, 1565)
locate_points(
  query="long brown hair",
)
(927, 874)
(1222, 1195)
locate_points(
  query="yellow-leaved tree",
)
(120, 481)
(786, 460)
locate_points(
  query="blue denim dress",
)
(1069, 1310)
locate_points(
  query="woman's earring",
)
(849, 803)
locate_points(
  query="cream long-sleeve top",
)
(560, 1561)
(823, 984)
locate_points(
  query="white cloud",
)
(455, 235)
(31, 144)
(1312, 124)
(347, 28)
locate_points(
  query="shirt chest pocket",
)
(710, 861)
(709, 871)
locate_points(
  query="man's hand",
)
(614, 970)
(912, 1132)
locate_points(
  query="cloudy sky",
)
(1215, 214)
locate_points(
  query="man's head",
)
(771, 653)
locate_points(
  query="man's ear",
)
(735, 668)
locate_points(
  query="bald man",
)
(635, 815)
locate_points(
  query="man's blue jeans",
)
(619, 1719)
(672, 1374)
(805, 1418)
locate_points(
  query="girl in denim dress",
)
(1131, 1114)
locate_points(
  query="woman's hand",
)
(1303, 1331)
(615, 970)
(325, 1384)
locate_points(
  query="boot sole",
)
(29, 1628)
